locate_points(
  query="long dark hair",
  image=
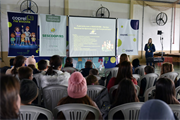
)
(166, 67)
(10, 87)
(55, 62)
(124, 71)
(68, 62)
(18, 62)
(126, 92)
(165, 91)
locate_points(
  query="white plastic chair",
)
(115, 87)
(28, 112)
(140, 70)
(136, 76)
(170, 75)
(69, 69)
(176, 109)
(94, 90)
(76, 111)
(129, 110)
(177, 91)
(150, 79)
(148, 92)
(52, 95)
(109, 73)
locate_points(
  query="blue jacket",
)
(151, 48)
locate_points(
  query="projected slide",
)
(91, 37)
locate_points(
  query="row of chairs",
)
(80, 111)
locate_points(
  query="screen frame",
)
(115, 52)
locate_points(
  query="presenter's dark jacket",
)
(151, 48)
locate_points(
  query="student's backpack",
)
(103, 102)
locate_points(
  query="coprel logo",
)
(28, 17)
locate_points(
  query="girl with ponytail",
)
(54, 75)
(18, 62)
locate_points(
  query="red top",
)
(112, 82)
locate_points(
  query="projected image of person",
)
(149, 48)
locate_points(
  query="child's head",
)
(31, 61)
(42, 65)
(124, 71)
(68, 62)
(28, 92)
(123, 58)
(33, 34)
(12, 35)
(55, 63)
(17, 29)
(18, 62)
(27, 28)
(148, 69)
(92, 80)
(23, 35)
(165, 90)
(166, 67)
(77, 86)
(25, 73)
(88, 64)
(126, 92)
(135, 62)
(10, 100)
(93, 72)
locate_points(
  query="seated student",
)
(165, 91)
(5, 68)
(123, 57)
(28, 93)
(42, 66)
(93, 72)
(54, 75)
(18, 62)
(88, 67)
(135, 64)
(25, 73)
(31, 62)
(68, 62)
(92, 80)
(125, 93)
(166, 67)
(124, 71)
(10, 100)
(147, 70)
(156, 110)
(77, 93)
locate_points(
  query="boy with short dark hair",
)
(42, 65)
(93, 72)
(148, 69)
(25, 73)
(88, 67)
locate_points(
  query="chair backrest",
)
(113, 71)
(109, 73)
(69, 69)
(52, 95)
(150, 79)
(148, 92)
(137, 77)
(176, 109)
(28, 112)
(129, 110)
(170, 75)
(140, 70)
(94, 90)
(115, 87)
(177, 90)
(76, 111)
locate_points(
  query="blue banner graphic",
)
(23, 34)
